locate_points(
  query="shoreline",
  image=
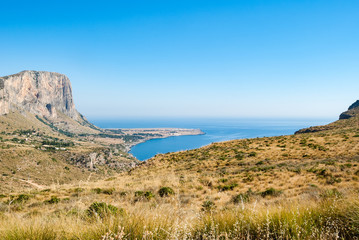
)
(156, 133)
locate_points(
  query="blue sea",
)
(216, 130)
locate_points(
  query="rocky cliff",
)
(40, 93)
(352, 111)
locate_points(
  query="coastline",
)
(156, 133)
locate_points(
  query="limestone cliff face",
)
(40, 93)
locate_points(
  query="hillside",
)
(46, 141)
(301, 186)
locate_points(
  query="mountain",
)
(47, 95)
(40, 93)
(44, 139)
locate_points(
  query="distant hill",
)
(347, 119)
(353, 111)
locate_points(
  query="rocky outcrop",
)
(353, 110)
(40, 93)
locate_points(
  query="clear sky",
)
(191, 58)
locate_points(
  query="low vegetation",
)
(303, 186)
(330, 216)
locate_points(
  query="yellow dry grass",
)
(301, 186)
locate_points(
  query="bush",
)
(242, 197)
(331, 193)
(208, 206)
(53, 200)
(227, 187)
(332, 180)
(123, 194)
(252, 154)
(271, 192)
(108, 191)
(223, 180)
(260, 163)
(102, 210)
(165, 191)
(239, 156)
(78, 190)
(97, 190)
(22, 198)
(139, 193)
(149, 195)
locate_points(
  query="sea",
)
(216, 130)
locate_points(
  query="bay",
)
(216, 130)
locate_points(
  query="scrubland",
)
(302, 186)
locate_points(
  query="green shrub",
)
(139, 193)
(108, 191)
(242, 197)
(331, 180)
(248, 178)
(252, 154)
(239, 156)
(165, 191)
(97, 190)
(123, 194)
(148, 195)
(53, 200)
(208, 206)
(223, 180)
(102, 210)
(227, 187)
(78, 190)
(271, 192)
(22, 198)
(331, 193)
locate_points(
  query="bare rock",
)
(40, 93)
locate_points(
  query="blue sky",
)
(293, 58)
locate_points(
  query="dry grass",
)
(289, 187)
(327, 218)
